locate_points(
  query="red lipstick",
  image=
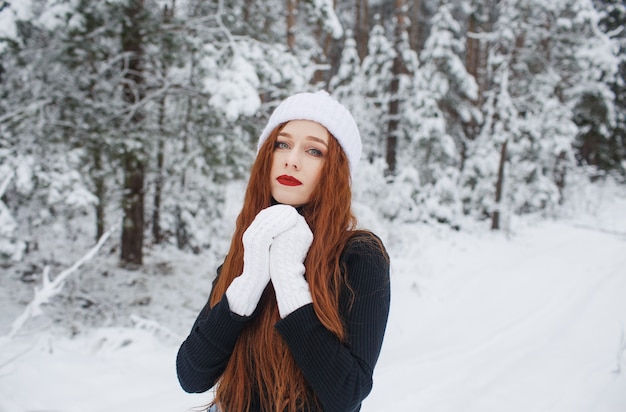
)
(288, 180)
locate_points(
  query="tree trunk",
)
(473, 64)
(158, 180)
(394, 98)
(100, 192)
(495, 217)
(560, 173)
(133, 160)
(157, 237)
(472, 46)
(416, 35)
(187, 123)
(361, 27)
(132, 204)
(480, 21)
(292, 9)
(331, 55)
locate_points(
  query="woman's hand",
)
(287, 255)
(245, 290)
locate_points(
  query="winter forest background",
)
(134, 122)
(141, 111)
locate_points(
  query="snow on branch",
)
(50, 288)
(5, 183)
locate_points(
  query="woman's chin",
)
(289, 199)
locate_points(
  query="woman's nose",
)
(293, 160)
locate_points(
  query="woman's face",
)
(299, 155)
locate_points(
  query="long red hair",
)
(261, 362)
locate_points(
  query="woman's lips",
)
(288, 180)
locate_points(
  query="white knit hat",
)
(319, 107)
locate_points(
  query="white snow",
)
(531, 319)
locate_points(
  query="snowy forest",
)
(137, 112)
(127, 128)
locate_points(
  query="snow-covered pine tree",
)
(600, 143)
(88, 102)
(347, 85)
(40, 140)
(229, 67)
(571, 61)
(327, 33)
(376, 74)
(545, 52)
(444, 67)
(429, 158)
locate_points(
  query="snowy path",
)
(479, 323)
(530, 324)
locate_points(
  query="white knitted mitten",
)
(245, 290)
(287, 255)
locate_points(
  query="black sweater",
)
(340, 374)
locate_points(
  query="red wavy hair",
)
(261, 362)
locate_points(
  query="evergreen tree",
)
(180, 121)
(347, 85)
(376, 74)
(39, 146)
(601, 144)
(103, 106)
(544, 53)
(444, 68)
(429, 157)
(343, 83)
(225, 73)
(88, 101)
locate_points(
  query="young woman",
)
(297, 314)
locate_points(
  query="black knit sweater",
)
(340, 374)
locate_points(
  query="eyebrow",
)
(314, 138)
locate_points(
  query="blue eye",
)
(316, 152)
(281, 145)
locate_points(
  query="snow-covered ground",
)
(531, 319)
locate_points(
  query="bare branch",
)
(50, 288)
